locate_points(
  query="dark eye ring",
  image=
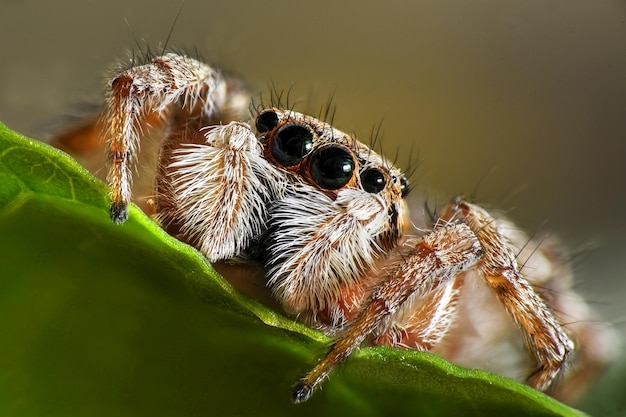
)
(373, 180)
(332, 167)
(266, 121)
(291, 143)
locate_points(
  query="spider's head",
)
(330, 161)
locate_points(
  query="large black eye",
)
(373, 180)
(332, 167)
(266, 121)
(291, 143)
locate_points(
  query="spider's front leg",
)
(155, 88)
(498, 266)
(414, 305)
(212, 185)
(432, 264)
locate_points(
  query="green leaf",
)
(124, 320)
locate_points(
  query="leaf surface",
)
(124, 320)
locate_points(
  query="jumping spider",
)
(327, 218)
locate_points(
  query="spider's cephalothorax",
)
(341, 213)
(326, 216)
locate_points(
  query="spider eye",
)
(332, 167)
(404, 186)
(266, 121)
(373, 180)
(291, 143)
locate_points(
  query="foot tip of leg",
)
(301, 393)
(119, 213)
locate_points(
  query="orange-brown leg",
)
(498, 266)
(422, 325)
(438, 257)
(152, 88)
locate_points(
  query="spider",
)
(328, 219)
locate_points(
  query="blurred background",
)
(521, 104)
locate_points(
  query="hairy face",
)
(343, 212)
(332, 162)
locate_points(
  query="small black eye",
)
(373, 180)
(266, 121)
(404, 186)
(291, 143)
(332, 167)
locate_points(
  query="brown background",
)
(534, 90)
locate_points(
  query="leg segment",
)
(438, 257)
(150, 89)
(498, 266)
(424, 322)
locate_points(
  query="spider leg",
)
(425, 318)
(596, 343)
(498, 266)
(140, 91)
(438, 257)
